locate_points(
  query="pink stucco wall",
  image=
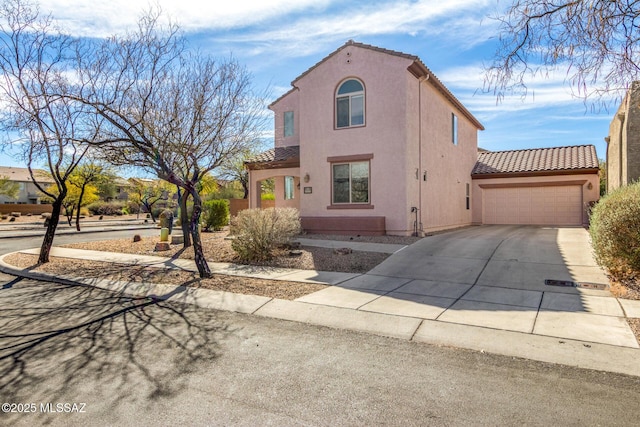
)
(442, 197)
(407, 132)
(287, 103)
(384, 133)
(260, 175)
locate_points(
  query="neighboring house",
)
(623, 142)
(543, 186)
(369, 141)
(29, 193)
(122, 188)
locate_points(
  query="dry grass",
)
(103, 270)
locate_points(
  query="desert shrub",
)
(156, 212)
(615, 231)
(132, 207)
(106, 208)
(259, 231)
(216, 214)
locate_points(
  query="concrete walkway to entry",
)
(481, 288)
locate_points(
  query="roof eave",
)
(490, 175)
(280, 164)
(418, 70)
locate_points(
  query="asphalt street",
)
(124, 361)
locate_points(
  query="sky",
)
(277, 40)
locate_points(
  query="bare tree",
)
(234, 169)
(33, 65)
(597, 42)
(169, 111)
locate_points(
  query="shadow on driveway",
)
(65, 343)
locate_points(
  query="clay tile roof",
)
(275, 157)
(539, 160)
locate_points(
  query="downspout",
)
(419, 172)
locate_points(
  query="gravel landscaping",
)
(218, 249)
(103, 270)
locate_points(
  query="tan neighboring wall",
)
(623, 142)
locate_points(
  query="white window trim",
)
(454, 129)
(293, 187)
(350, 96)
(284, 124)
(350, 202)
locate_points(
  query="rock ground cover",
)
(217, 248)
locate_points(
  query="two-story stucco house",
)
(369, 141)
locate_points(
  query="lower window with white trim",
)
(350, 183)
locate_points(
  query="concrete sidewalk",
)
(545, 326)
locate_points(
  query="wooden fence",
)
(24, 209)
(237, 205)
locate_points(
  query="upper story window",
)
(288, 123)
(350, 104)
(454, 129)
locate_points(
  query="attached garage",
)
(550, 186)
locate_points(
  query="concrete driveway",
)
(494, 277)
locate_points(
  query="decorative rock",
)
(137, 238)
(177, 239)
(162, 246)
(164, 234)
(295, 252)
(342, 251)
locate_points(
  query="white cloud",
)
(91, 18)
(314, 33)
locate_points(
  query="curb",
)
(579, 354)
(63, 232)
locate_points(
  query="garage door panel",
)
(543, 205)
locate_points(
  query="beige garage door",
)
(549, 205)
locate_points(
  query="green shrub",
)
(268, 196)
(216, 214)
(615, 231)
(259, 231)
(106, 208)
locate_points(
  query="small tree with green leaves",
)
(9, 188)
(216, 214)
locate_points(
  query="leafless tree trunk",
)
(184, 218)
(170, 111)
(33, 65)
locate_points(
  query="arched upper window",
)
(350, 104)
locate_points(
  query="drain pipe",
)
(418, 221)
